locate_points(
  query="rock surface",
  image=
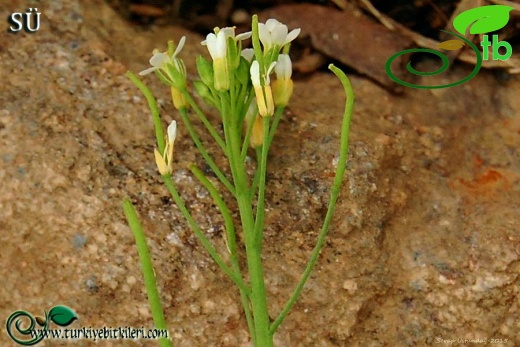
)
(424, 247)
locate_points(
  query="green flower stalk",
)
(237, 83)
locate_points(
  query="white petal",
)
(248, 54)
(211, 42)
(271, 67)
(283, 68)
(172, 132)
(255, 73)
(228, 31)
(279, 34)
(272, 23)
(243, 36)
(292, 35)
(221, 45)
(264, 35)
(269, 70)
(179, 46)
(147, 71)
(158, 60)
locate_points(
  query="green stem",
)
(230, 236)
(260, 203)
(338, 179)
(159, 133)
(237, 279)
(261, 334)
(259, 56)
(148, 272)
(205, 121)
(276, 120)
(249, 131)
(204, 152)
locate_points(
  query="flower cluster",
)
(236, 81)
(228, 81)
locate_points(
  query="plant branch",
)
(338, 179)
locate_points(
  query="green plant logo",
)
(60, 315)
(478, 20)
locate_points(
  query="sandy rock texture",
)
(424, 248)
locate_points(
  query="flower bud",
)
(202, 89)
(205, 70)
(242, 72)
(283, 86)
(179, 101)
(257, 133)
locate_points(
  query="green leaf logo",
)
(482, 19)
(62, 315)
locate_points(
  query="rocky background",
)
(425, 243)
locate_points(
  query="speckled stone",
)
(424, 245)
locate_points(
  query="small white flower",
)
(273, 33)
(159, 59)
(217, 47)
(229, 32)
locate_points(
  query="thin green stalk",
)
(148, 272)
(247, 138)
(233, 110)
(259, 56)
(230, 236)
(256, 176)
(204, 152)
(159, 133)
(163, 78)
(253, 251)
(260, 203)
(200, 235)
(340, 171)
(258, 293)
(245, 107)
(276, 120)
(224, 111)
(242, 96)
(224, 210)
(205, 121)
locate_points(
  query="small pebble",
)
(91, 284)
(78, 241)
